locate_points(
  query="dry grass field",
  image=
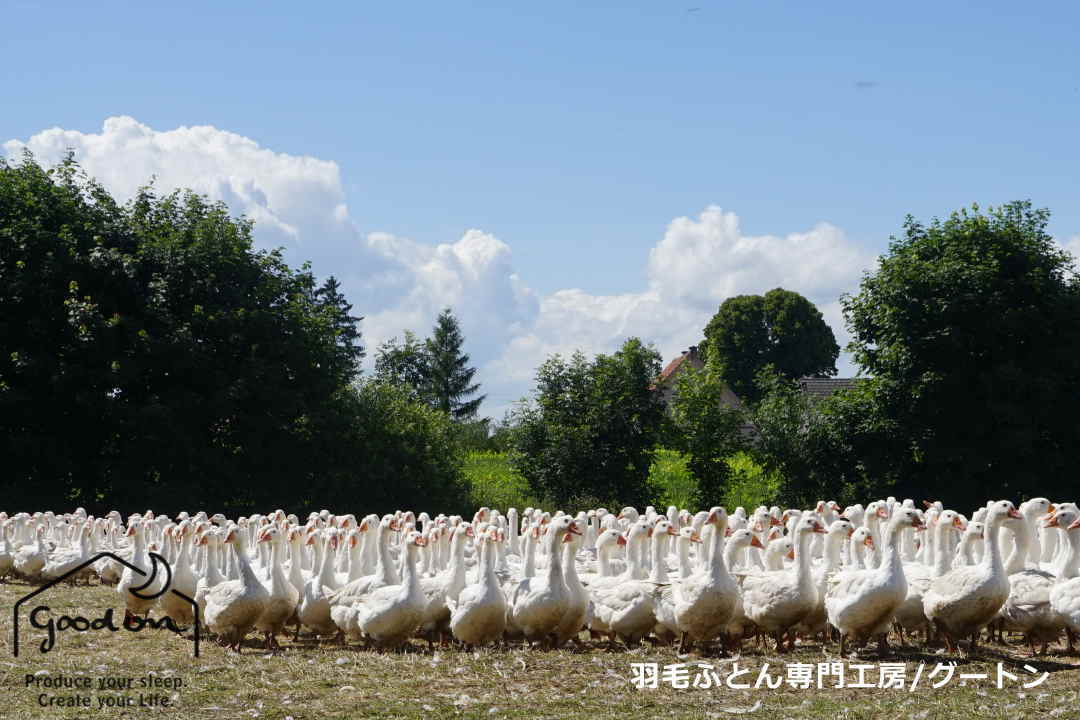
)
(311, 682)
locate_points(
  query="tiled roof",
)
(823, 387)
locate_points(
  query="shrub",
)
(749, 484)
(671, 481)
(491, 482)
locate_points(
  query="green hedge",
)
(493, 483)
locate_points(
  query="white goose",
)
(910, 615)
(705, 602)
(64, 561)
(282, 597)
(233, 606)
(965, 599)
(624, 606)
(211, 577)
(392, 614)
(445, 586)
(1027, 609)
(860, 603)
(313, 610)
(478, 616)
(777, 600)
(579, 606)
(537, 604)
(736, 544)
(30, 558)
(183, 579)
(839, 530)
(1065, 594)
(7, 558)
(140, 558)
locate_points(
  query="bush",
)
(491, 482)
(671, 481)
(749, 484)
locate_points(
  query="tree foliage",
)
(150, 357)
(591, 428)
(705, 429)
(780, 328)
(971, 329)
(449, 376)
(435, 371)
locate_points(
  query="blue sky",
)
(572, 138)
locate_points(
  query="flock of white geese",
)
(708, 579)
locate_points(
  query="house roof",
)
(823, 387)
(670, 369)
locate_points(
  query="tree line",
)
(151, 357)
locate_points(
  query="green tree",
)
(705, 429)
(780, 328)
(589, 432)
(404, 364)
(971, 329)
(449, 377)
(150, 357)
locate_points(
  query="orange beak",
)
(1014, 514)
(754, 542)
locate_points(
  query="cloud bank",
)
(299, 204)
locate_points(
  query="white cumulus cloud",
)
(299, 203)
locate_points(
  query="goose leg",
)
(1069, 635)
(842, 644)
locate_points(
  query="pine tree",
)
(449, 375)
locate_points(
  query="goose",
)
(970, 541)
(839, 530)
(578, 607)
(862, 542)
(625, 607)
(737, 543)
(537, 604)
(777, 600)
(445, 586)
(64, 561)
(860, 603)
(233, 606)
(777, 548)
(683, 542)
(965, 599)
(1033, 510)
(31, 558)
(212, 576)
(313, 609)
(1027, 608)
(393, 613)
(344, 601)
(607, 542)
(283, 596)
(7, 558)
(910, 615)
(183, 579)
(137, 604)
(478, 615)
(1065, 594)
(704, 603)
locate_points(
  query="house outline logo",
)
(156, 560)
